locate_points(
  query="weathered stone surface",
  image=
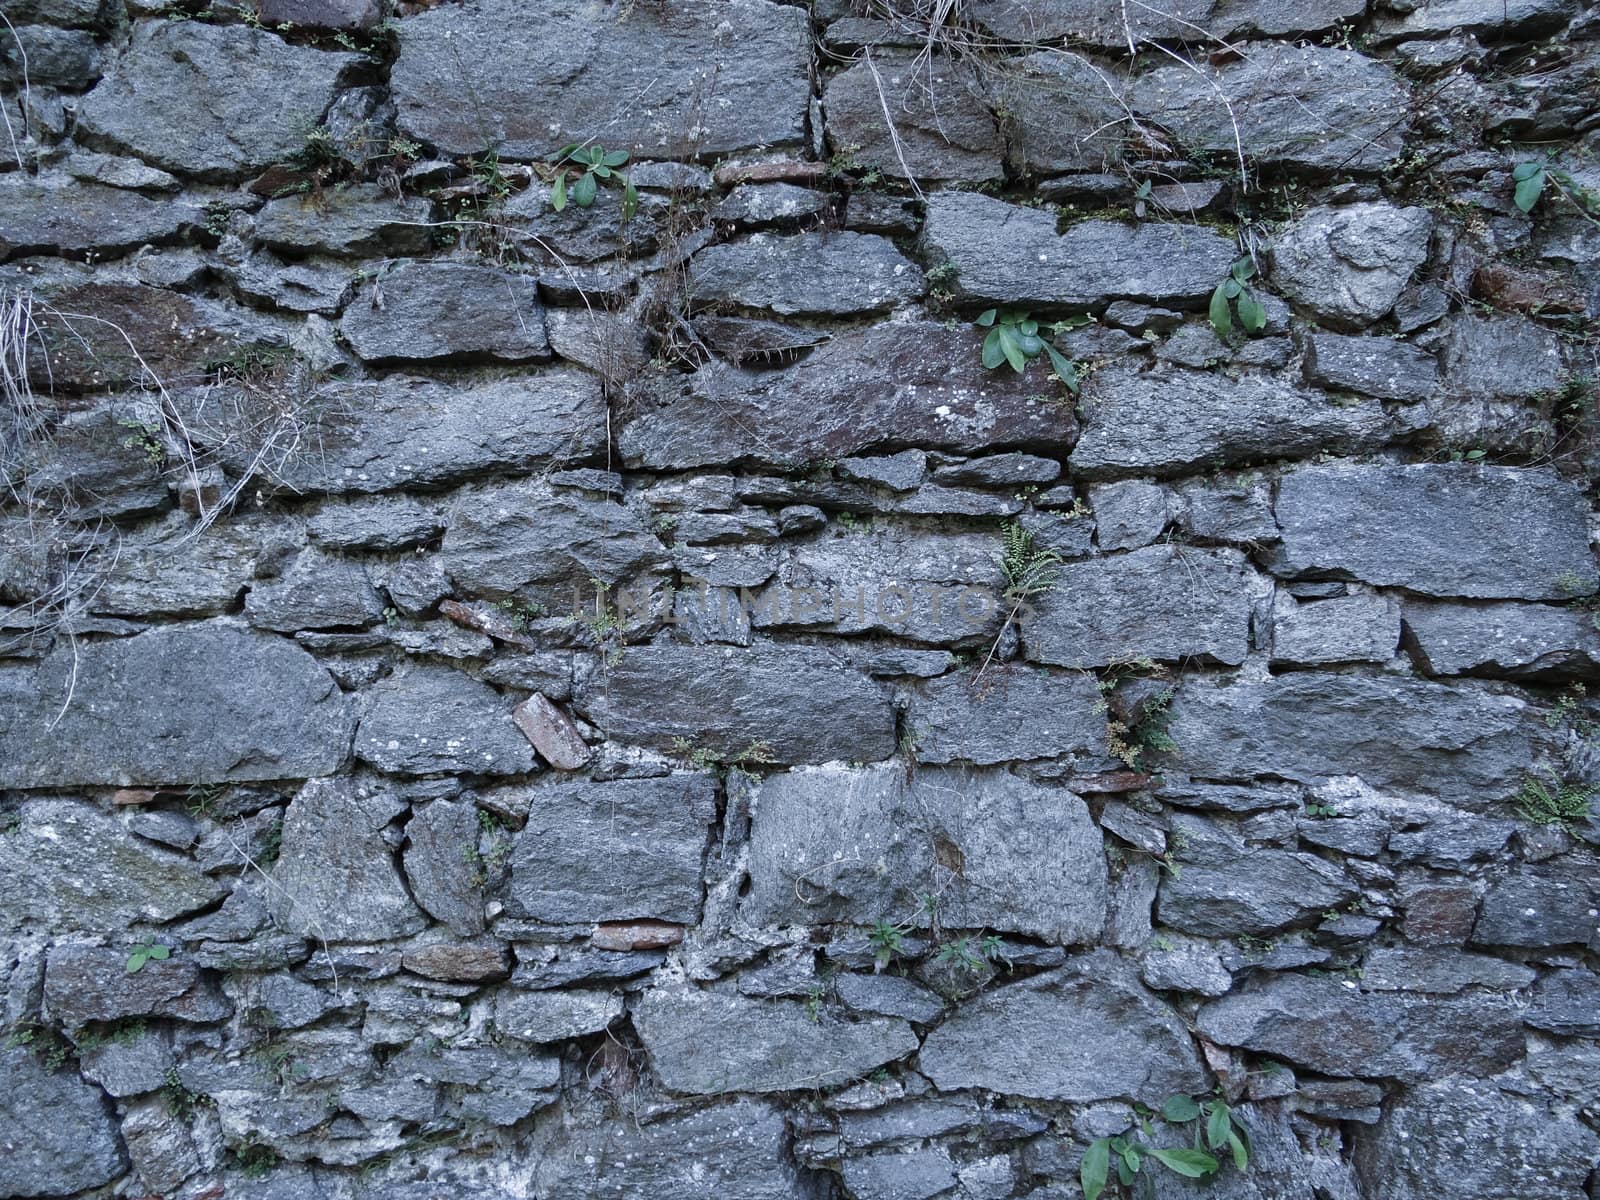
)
(427, 719)
(1464, 1137)
(94, 466)
(1257, 892)
(58, 1133)
(427, 310)
(802, 703)
(1168, 421)
(1183, 20)
(1468, 743)
(613, 851)
(1566, 1003)
(552, 733)
(1062, 112)
(1358, 628)
(348, 15)
(906, 1175)
(1499, 358)
(1300, 106)
(403, 431)
(464, 962)
(1161, 602)
(87, 983)
(1086, 1031)
(1008, 254)
(501, 539)
(860, 845)
(178, 704)
(944, 125)
(1010, 714)
(360, 219)
(549, 1016)
(916, 382)
(174, 572)
(67, 866)
(1539, 906)
(704, 1043)
(318, 591)
(1349, 265)
(1523, 17)
(890, 995)
(336, 878)
(1438, 971)
(80, 218)
(1438, 529)
(936, 588)
(1519, 641)
(707, 79)
(1338, 1030)
(805, 274)
(440, 842)
(735, 1151)
(1371, 366)
(192, 97)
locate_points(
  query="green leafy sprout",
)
(1215, 1131)
(1558, 803)
(143, 953)
(594, 164)
(1014, 339)
(1234, 295)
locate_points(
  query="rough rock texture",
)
(1166, 422)
(619, 701)
(191, 97)
(802, 704)
(709, 78)
(210, 703)
(1012, 255)
(834, 844)
(1404, 733)
(708, 1043)
(1437, 529)
(1088, 1031)
(1299, 106)
(59, 1134)
(617, 851)
(916, 382)
(1349, 265)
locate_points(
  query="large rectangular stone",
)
(1519, 641)
(1470, 743)
(1161, 602)
(862, 845)
(618, 851)
(1443, 529)
(1009, 714)
(798, 704)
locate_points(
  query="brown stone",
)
(552, 733)
(134, 795)
(486, 621)
(474, 962)
(637, 935)
(1439, 914)
(782, 170)
(1529, 289)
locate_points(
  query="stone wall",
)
(621, 702)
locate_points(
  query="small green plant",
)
(1014, 339)
(521, 613)
(1214, 1128)
(1531, 179)
(814, 995)
(972, 955)
(143, 953)
(181, 1099)
(593, 163)
(1321, 812)
(1029, 572)
(887, 941)
(256, 1159)
(1234, 295)
(147, 440)
(1556, 802)
(202, 799)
